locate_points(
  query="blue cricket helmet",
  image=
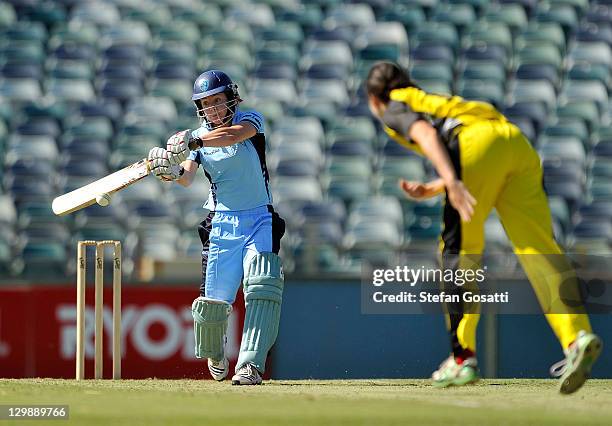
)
(212, 82)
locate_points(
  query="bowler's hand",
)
(461, 199)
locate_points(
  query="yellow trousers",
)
(502, 171)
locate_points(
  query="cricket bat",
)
(86, 195)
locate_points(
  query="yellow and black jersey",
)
(445, 113)
(501, 170)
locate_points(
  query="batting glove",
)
(161, 167)
(177, 147)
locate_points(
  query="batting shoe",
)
(218, 369)
(246, 375)
(580, 356)
(451, 373)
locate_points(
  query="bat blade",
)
(86, 195)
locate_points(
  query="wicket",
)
(98, 310)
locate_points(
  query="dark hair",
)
(384, 77)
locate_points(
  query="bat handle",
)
(194, 143)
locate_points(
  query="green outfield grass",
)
(354, 402)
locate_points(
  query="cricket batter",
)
(484, 162)
(241, 234)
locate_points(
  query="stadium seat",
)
(596, 211)
(20, 70)
(271, 110)
(439, 33)
(70, 69)
(115, 214)
(92, 169)
(101, 231)
(96, 12)
(324, 111)
(44, 259)
(150, 108)
(327, 52)
(510, 13)
(73, 33)
(527, 71)
(407, 167)
(80, 149)
(296, 168)
(176, 89)
(591, 32)
(254, 15)
(348, 188)
(20, 89)
(332, 91)
(25, 31)
(42, 148)
(541, 91)
(591, 52)
(495, 236)
(592, 237)
(43, 126)
(37, 213)
(410, 16)
(461, 15)
(484, 70)
(376, 208)
(206, 16)
(125, 32)
(571, 192)
(560, 212)
(8, 213)
(342, 167)
(321, 211)
(535, 112)
(603, 149)
(285, 32)
(350, 147)
(479, 90)
(280, 90)
(540, 53)
(424, 230)
(566, 152)
(589, 71)
(154, 17)
(591, 90)
(7, 15)
(308, 16)
(599, 13)
(392, 33)
(297, 128)
(356, 16)
(543, 33)
(324, 33)
(433, 52)
(96, 128)
(296, 189)
(276, 52)
(70, 90)
(440, 71)
(563, 14)
(357, 128)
